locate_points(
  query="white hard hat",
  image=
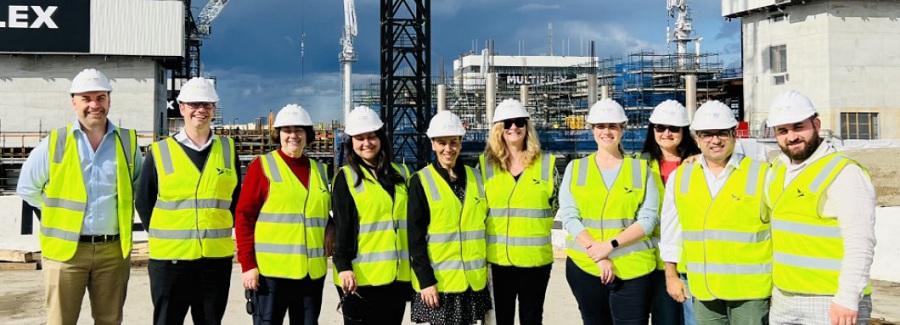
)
(198, 90)
(292, 115)
(90, 80)
(362, 120)
(670, 112)
(606, 111)
(509, 109)
(791, 107)
(445, 124)
(713, 115)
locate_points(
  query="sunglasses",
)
(340, 309)
(518, 122)
(662, 128)
(251, 308)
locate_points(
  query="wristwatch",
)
(614, 243)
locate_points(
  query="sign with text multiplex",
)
(45, 26)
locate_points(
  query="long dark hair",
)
(687, 147)
(383, 169)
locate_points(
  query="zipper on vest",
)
(516, 184)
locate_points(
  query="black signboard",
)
(43, 26)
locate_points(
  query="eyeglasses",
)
(518, 122)
(251, 308)
(662, 128)
(610, 126)
(344, 297)
(199, 105)
(708, 135)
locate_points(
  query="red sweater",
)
(254, 192)
(666, 167)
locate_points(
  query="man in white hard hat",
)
(186, 197)
(823, 217)
(80, 177)
(715, 228)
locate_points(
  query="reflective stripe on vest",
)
(607, 211)
(65, 196)
(191, 218)
(290, 230)
(715, 228)
(808, 245)
(456, 233)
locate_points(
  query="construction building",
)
(840, 53)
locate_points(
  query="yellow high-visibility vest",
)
(191, 218)
(726, 239)
(65, 196)
(519, 217)
(289, 238)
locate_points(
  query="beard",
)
(807, 151)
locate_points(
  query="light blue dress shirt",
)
(98, 169)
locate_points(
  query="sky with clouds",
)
(254, 50)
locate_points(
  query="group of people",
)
(688, 230)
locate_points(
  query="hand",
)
(692, 159)
(675, 288)
(840, 315)
(430, 297)
(348, 282)
(607, 275)
(250, 279)
(329, 239)
(598, 251)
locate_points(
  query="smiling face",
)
(800, 140)
(91, 108)
(367, 146)
(197, 115)
(292, 139)
(667, 139)
(608, 135)
(716, 145)
(515, 131)
(447, 149)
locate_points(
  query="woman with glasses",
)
(447, 212)
(371, 258)
(280, 226)
(519, 184)
(609, 208)
(667, 145)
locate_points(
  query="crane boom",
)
(210, 11)
(348, 55)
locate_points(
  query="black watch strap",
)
(614, 243)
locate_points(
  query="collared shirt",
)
(182, 138)
(851, 199)
(98, 169)
(670, 239)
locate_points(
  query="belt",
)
(98, 239)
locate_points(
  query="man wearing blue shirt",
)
(81, 177)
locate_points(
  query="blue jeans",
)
(688, 303)
(664, 310)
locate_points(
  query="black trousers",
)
(200, 285)
(665, 310)
(622, 302)
(376, 305)
(300, 299)
(528, 284)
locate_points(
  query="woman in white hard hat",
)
(519, 185)
(609, 208)
(280, 226)
(667, 145)
(447, 211)
(371, 260)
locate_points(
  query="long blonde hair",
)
(496, 153)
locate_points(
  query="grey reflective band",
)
(273, 167)
(740, 269)
(474, 265)
(435, 194)
(459, 265)
(753, 178)
(817, 182)
(193, 204)
(488, 168)
(582, 170)
(125, 139)
(805, 229)
(545, 167)
(808, 262)
(637, 182)
(280, 217)
(727, 235)
(478, 182)
(323, 174)
(376, 257)
(686, 177)
(401, 224)
(520, 212)
(314, 222)
(226, 150)
(59, 233)
(166, 157)
(518, 241)
(403, 170)
(607, 223)
(216, 233)
(640, 246)
(280, 248)
(377, 226)
(455, 236)
(64, 204)
(190, 234)
(315, 252)
(60, 149)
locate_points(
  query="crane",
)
(348, 55)
(681, 35)
(210, 11)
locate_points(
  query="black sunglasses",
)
(662, 128)
(518, 122)
(340, 309)
(248, 294)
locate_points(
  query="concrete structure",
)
(841, 53)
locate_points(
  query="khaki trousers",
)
(101, 270)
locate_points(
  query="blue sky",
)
(254, 50)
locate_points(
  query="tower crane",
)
(348, 55)
(210, 11)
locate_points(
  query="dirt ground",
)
(21, 300)
(884, 167)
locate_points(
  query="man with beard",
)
(823, 217)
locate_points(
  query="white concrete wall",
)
(34, 92)
(843, 54)
(887, 250)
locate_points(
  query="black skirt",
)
(467, 307)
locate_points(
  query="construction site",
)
(150, 48)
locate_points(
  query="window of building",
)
(778, 58)
(777, 17)
(856, 125)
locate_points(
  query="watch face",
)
(615, 243)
